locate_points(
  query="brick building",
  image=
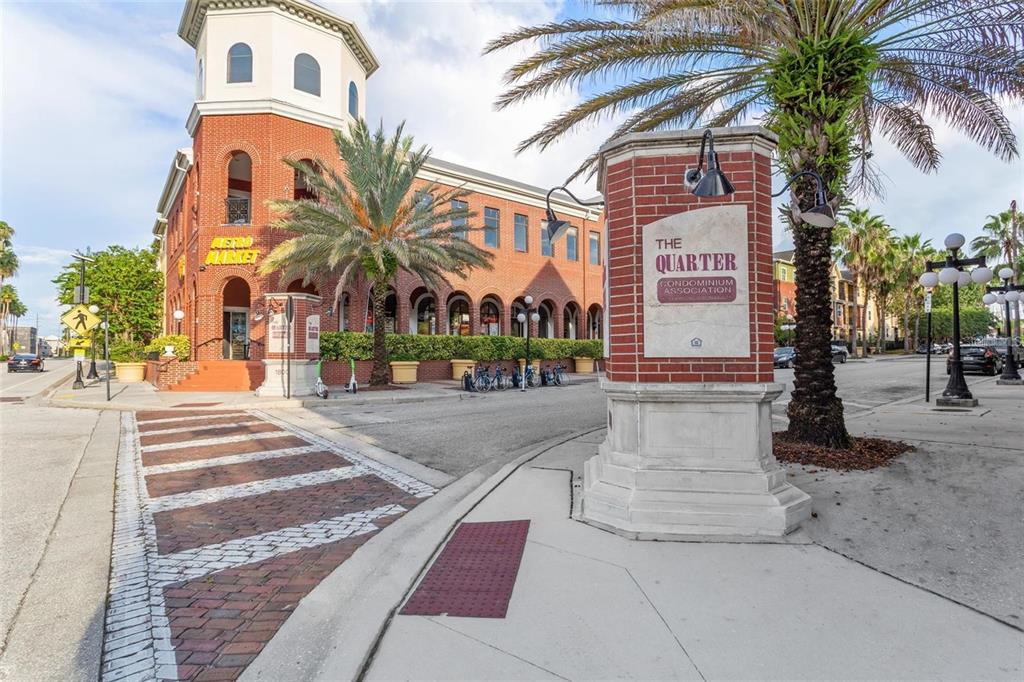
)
(272, 82)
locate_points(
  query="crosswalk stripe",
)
(229, 459)
(206, 427)
(195, 563)
(228, 492)
(204, 442)
(199, 417)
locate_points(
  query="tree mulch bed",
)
(863, 453)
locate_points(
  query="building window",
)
(571, 240)
(240, 63)
(239, 189)
(546, 247)
(490, 319)
(492, 227)
(353, 100)
(595, 248)
(307, 74)
(459, 221)
(458, 317)
(200, 80)
(520, 229)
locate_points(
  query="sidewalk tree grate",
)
(475, 573)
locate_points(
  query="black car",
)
(785, 356)
(24, 362)
(999, 344)
(977, 359)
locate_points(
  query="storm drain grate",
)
(475, 573)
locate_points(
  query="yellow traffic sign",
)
(79, 354)
(79, 342)
(79, 319)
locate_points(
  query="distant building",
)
(23, 339)
(784, 276)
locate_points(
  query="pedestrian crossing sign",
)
(79, 343)
(80, 320)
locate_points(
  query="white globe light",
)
(535, 317)
(179, 315)
(929, 280)
(94, 309)
(1000, 299)
(529, 300)
(1012, 296)
(522, 316)
(954, 241)
(1006, 273)
(988, 299)
(981, 275)
(949, 275)
(963, 278)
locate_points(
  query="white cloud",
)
(41, 255)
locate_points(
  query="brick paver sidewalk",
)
(224, 521)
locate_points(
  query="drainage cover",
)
(475, 573)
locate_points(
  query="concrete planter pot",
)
(404, 371)
(522, 365)
(130, 372)
(584, 365)
(461, 366)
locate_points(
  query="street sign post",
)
(928, 349)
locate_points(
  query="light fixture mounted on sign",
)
(821, 214)
(712, 182)
(555, 227)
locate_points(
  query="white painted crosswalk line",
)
(229, 459)
(195, 563)
(204, 442)
(199, 417)
(228, 492)
(207, 427)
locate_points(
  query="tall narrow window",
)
(240, 63)
(200, 80)
(595, 248)
(492, 227)
(307, 74)
(459, 222)
(353, 100)
(571, 244)
(521, 227)
(546, 247)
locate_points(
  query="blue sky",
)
(95, 97)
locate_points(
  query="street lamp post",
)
(82, 298)
(530, 314)
(1005, 295)
(178, 316)
(93, 374)
(951, 272)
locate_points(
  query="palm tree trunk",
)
(906, 324)
(864, 325)
(853, 330)
(815, 413)
(379, 375)
(880, 341)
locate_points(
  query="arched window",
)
(307, 74)
(490, 318)
(240, 63)
(239, 189)
(458, 316)
(353, 100)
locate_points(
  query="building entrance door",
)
(236, 334)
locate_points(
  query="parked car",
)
(1000, 344)
(977, 358)
(840, 353)
(784, 357)
(24, 362)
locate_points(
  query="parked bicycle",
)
(560, 375)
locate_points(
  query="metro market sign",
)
(231, 251)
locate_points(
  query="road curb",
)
(319, 641)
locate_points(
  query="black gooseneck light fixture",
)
(712, 182)
(821, 214)
(555, 227)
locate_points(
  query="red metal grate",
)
(475, 573)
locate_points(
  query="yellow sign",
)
(79, 319)
(231, 251)
(79, 354)
(181, 268)
(79, 343)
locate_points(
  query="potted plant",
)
(129, 359)
(589, 351)
(404, 368)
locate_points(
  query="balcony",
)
(238, 211)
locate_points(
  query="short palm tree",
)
(366, 221)
(999, 244)
(826, 74)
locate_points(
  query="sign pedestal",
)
(302, 336)
(690, 378)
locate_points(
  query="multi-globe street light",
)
(1005, 295)
(533, 315)
(951, 272)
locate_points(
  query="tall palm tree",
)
(367, 221)
(852, 236)
(8, 264)
(825, 75)
(911, 251)
(999, 244)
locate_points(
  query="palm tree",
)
(852, 237)
(8, 265)
(999, 244)
(367, 222)
(826, 75)
(910, 251)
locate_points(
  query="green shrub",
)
(180, 342)
(127, 351)
(358, 345)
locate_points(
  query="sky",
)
(95, 96)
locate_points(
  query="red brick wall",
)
(166, 373)
(643, 189)
(268, 139)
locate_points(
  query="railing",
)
(238, 210)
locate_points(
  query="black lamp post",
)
(82, 299)
(1007, 294)
(93, 374)
(711, 182)
(555, 227)
(951, 271)
(821, 214)
(525, 317)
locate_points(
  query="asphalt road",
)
(458, 436)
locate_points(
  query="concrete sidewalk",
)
(588, 604)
